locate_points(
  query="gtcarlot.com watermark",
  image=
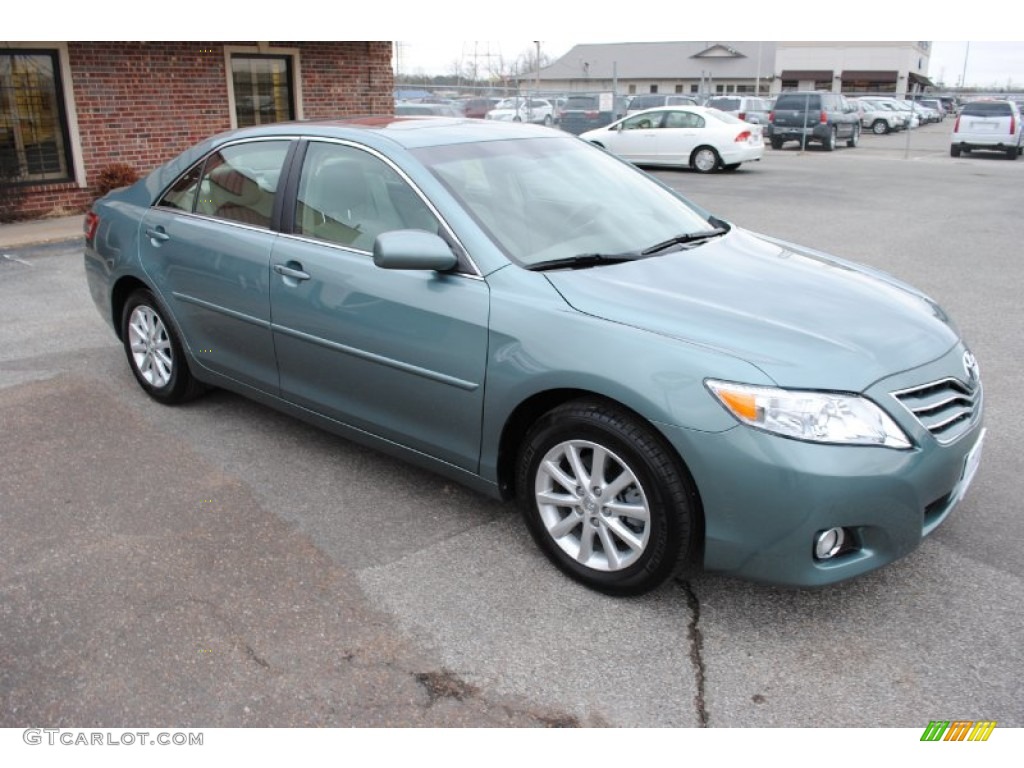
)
(75, 738)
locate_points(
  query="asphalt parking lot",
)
(220, 564)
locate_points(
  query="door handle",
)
(292, 269)
(157, 235)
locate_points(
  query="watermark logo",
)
(958, 730)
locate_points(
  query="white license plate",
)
(971, 463)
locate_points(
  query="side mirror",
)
(413, 249)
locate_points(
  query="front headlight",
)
(821, 417)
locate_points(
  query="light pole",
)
(536, 78)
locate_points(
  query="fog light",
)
(828, 543)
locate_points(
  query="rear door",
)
(681, 132)
(206, 246)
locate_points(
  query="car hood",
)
(806, 319)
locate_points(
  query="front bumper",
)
(765, 498)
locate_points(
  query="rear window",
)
(726, 105)
(798, 101)
(581, 102)
(988, 109)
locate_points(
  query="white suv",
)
(991, 125)
(521, 110)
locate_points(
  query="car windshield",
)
(543, 199)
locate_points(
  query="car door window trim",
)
(464, 258)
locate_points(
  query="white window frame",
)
(70, 113)
(263, 49)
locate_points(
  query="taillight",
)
(1013, 125)
(771, 116)
(824, 117)
(742, 136)
(92, 221)
(591, 115)
(956, 125)
(742, 115)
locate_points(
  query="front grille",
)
(945, 408)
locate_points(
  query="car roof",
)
(382, 132)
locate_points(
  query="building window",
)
(33, 126)
(679, 88)
(654, 89)
(694, 88)
(632, 87)
(264, 89)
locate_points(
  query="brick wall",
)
(143, 103)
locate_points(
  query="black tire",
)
(153, 347)
(954, 150)
(1012, 153)
(547, 120)
(609, 551)
(776, 143)
(829, 144)
(854, 139)
(879, 127)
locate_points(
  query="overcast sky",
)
(989, 64)
(439, 32)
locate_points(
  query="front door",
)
(398, 353)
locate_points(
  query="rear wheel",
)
(854, 139)
(954, 150)
(879, 127)
(830, 141)
(776, 143)
(154, 350)
(705, 160)
(1012, 153)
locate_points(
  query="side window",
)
(683, 120)
(348, 196)
(641, 122)
(182, 196)
(239, 182)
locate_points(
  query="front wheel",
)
(547, 120)
(605, 499)
(879, 127)
(154, 350)
(705, 160)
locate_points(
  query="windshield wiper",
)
(691, 237)
(582, 260)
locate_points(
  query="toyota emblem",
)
(971, 368)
